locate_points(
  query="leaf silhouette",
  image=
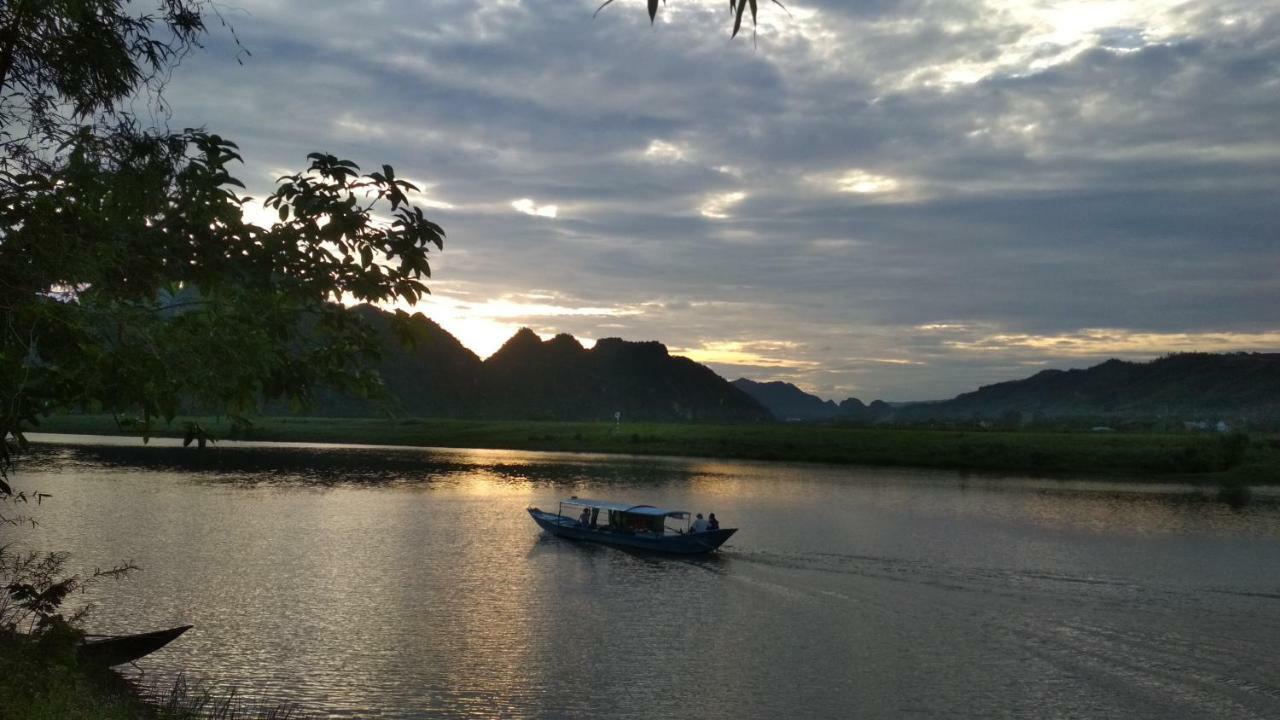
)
(737, 20)
(602, 6)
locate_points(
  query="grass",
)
(1195, 457)
(40, 679)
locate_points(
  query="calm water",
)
(411, 583)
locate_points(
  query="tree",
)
(130, 281)
(67, 63)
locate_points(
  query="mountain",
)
(788, 402)
(559, 379)
(527, 378)
(428, 372)
(1184, 386)
(1189, 386)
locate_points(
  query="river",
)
(405, 583)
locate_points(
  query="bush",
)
(40, 679)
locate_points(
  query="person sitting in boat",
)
(585, 518)
(712, 522)
(699, 525)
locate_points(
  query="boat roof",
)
(624, 507)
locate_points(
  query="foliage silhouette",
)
(130, 280)
(736, 8)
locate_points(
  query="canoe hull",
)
(119, 650)
(691, 544)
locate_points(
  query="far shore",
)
(1206, 458)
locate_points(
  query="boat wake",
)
(1102, 646)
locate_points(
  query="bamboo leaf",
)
(602, 6)
(737, 20)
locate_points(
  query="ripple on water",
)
(374, 582)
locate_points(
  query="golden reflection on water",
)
(485, 623)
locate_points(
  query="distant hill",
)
(528, 378)
(788, 402)
(1190, 386)
(559, 379)
(1184, 386)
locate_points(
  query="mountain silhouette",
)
(788, 402)
(1187, 386)
(1183, 386)
(434, 375)
(532, 379)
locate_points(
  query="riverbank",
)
(40, 679)
(1195, 457)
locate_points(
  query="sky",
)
(894, 199)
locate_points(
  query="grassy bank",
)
(40, 679)
(1203, 457)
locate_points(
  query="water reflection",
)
(412, 583)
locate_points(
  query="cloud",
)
(863, 182)
(529, 207)
(717, 206)
(1107, 342)
(663, 152)
(961, 188)
(757, 354)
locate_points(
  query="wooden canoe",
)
(108, 650)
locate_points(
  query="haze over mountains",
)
(559, 379)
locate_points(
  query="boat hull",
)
(690, 544)
(118, 650)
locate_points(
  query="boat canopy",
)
(648, 510)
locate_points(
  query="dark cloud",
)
(1025, 182)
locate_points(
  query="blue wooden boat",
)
(643, 527)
